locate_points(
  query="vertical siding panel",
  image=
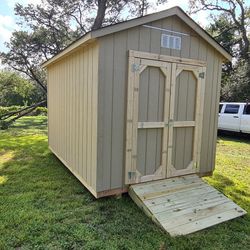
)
(70, 111)
(155, 38)
(89, 116)
(67, 109)
(50, 111)
(176, 26)
(133, 38)
(207, 109)
(59, 111)
(78, 113)
(50, 93)
(80, 108)
(214, 145)
(166, 24)
(213, 114)
(118, 104)
(144, 40)
(101, 118)
(106, 78)
(48, 103)
(194, 47)
(95, 111)
(203, 56)
(85, 113)
(73, 102)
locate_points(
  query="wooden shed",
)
(136, 101)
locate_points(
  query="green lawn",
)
(43, 206)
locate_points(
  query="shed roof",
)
(92, 35)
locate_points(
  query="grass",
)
(43, 206)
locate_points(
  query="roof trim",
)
(85, 39)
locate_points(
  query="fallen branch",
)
(8, 115)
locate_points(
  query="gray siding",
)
(113, 88)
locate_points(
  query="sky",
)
(8, 19)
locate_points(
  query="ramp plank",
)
(184, 205)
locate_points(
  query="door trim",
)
(164, 58)
(135, 68)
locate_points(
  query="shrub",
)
(40, 111)
(6, 110)
(4, 124)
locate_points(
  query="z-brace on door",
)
(164, 112)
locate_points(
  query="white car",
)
(234, 116)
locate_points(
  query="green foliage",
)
(235, 83)
(4, 124)
(40, 111)
(43, 206)
(15, 90)
(6, 110)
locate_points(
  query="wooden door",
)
(185, 119)
(147, 119)
(164, 117)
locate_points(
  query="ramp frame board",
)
(183, 205)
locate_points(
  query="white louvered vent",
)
(170, 42)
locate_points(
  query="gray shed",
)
(136, 101)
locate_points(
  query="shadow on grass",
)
(228, 187)
(233, 136)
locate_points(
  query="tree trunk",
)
(100, 14)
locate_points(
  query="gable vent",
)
(170, 42)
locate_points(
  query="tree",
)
(238, 14)
(51, 26)
(15, 90)
(230, 29)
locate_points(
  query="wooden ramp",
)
(184, 205)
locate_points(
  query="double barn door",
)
(164, 116)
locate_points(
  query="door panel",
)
(186, 107)
(182, 144)
(149, 85)
(149, 147)
(185, 96)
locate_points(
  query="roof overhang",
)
(93, 35)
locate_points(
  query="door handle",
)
(235, 116)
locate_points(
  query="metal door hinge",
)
(135, 67)
(202, 75)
